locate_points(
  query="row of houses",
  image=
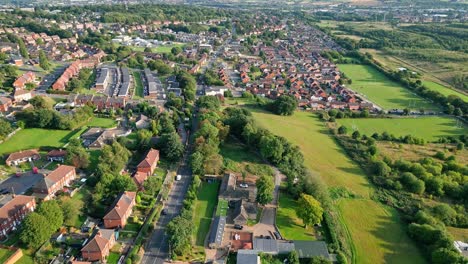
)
(101, 102)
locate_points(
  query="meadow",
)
(377, 88)
(30, 138)
(428, 128)
(376, 231)
(444, 90)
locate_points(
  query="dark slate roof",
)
(309, 249)
(217, 230)
(265, 245)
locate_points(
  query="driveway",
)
(19, 184)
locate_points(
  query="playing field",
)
(428, 128)
(102, 122)
(377, 88)
(204, 208)
(375, 229)
(444, 90)
(31, 138)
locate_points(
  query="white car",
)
(244, 185)
(178, 177)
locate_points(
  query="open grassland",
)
(204, 208)
(379, 89)
(289, 224)
(378, 235)
(31, 138)
(102, 122)
(428, 128)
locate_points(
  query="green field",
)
(138, 84)
(428, 128)
(160, 48)
(30, 138)
(377, 234)
(444, 90)
(290, 226)
(380, 90)
(5, 254)
(460, 234)
(204, 208)
(102, 122)
(221, 209)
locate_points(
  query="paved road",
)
(157, 249)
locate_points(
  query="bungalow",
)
(54, 182)
(14, 211)
(118, 215)
(22, 156)
(97, 249)
(56, 155)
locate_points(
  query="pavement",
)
(19, 184)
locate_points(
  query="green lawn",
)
(138, 84)
(376, 232)
(5, 254)
(102, 122)
(31, 138)
(429, 128)
(204, 207)
(167, 48)
(113, 258)
(382, 91)
(290, 226)
(221, 209)
(444, 90)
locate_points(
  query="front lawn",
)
(204, 207)
(113, 258)
(32, 138)
(102, 122)
(289, 224)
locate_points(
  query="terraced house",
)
(55, 181)
(14, 211)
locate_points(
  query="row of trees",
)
(5, 128)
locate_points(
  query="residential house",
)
(21, 82)
(118, 215)
(149, 164)
(57, 155)
(245, 256)
(97, 249)
(53, 182)
(5, 104)
(14, 211)
(22, 156)
(22, 95)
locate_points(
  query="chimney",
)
(99, 234)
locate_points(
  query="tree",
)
(35, 230)
(284, 105)
(41, 102)
(271, 148)
(356, 135)
(176, 50)
(152, 185)
(22, 48)
(196, 162)
(265, 189)
(309, 210)
(148, 49)
(171, 146)
(71, 210)
(179, 231)
(293, 257)
(342, 130)
(53, 213)
(5, 128)
(77, 154)
(43, 61)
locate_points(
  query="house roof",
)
(121, 206)
(99, 241)
(57, 153)
(15, 204)
(140, 177)
(247, 257)
(309, 249)
(22, 154)
(55, 176)
(240, 212)
(217, 230)
(151, 157)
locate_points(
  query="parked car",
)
(238, 227)
(277, 235)
(244, 185)
(178, 177)
(163, 212)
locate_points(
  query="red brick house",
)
(5, 104)
(149, 164)
(54, 182)
(118, 215)
(22, 156)
(97, 249)
(14, 211)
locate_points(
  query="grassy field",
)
(30, 138)
(167, 48)
(379, 89)
(444, 90)
(428, 128)
(290, 226)
(460, 234)
(378, 236)
(204, 208)
(138, 84)
(5, 254)
(102, 122)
